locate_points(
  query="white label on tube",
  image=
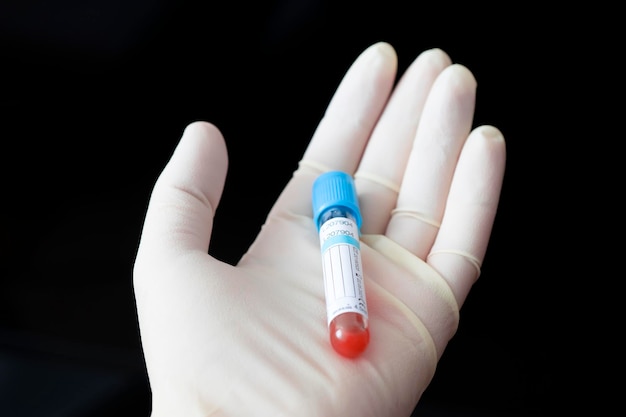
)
(343, 272)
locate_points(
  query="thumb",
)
(182, 205)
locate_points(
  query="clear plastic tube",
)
(338, 219)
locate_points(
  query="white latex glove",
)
(252, 339)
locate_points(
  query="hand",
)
(252, 339)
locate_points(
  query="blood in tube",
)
(338, 219)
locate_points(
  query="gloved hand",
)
(252, 338)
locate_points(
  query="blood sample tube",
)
(338, 219)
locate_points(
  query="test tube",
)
(338, 219)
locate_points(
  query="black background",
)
(95, 95)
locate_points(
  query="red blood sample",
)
(349, 334)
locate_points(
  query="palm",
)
(253, 337)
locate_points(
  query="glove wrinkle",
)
(428, 287)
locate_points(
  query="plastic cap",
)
(335, 189)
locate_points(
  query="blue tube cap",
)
(335, 189)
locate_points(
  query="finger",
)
(183, 202)
(459, 249)
(342, 134)
(380, 172)
(444, 126)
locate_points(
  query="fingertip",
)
(198, 165)
(186, 194)
(436, 56)
(490, 133)
(201, 125)
(203, 129)
(384, 48)
(205, 135)
(485, 155)
(491, 137)
(462, 75)
(380, 52)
